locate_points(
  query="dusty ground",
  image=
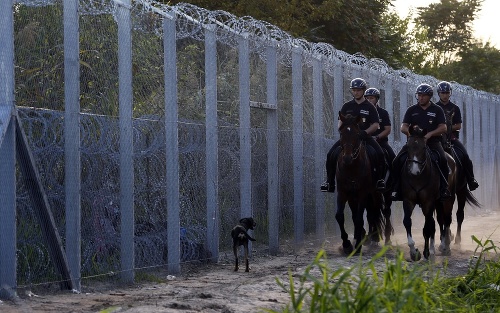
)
(216, 288)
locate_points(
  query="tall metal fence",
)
(154, 128)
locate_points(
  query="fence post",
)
(403, 106)
(72, 164)
(338, 95)
(389, 106)
(8, 267)
(298, 143)
(171, 143)
(319, 146)
(126, 142)
(245, 139)
(272, 148)
(476, 135)
(212, 143)
(484, 146)
(492, 132)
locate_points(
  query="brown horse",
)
(420, 185)
(462, 192)
(355, 186)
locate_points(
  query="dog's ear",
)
(243, 220)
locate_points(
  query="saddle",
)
(374, 160)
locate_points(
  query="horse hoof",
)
(431, 258)
(416, 256)
(347, 247)
(446, 252)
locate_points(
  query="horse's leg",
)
(441, 224)
(339, 216)
(375, 217)
(387, 216)
(357, 208)
(408, 210)
(460, 215)
(429, 232)
(447, 215)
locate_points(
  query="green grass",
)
(392, 284)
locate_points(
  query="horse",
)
(461, 191)
(356, 186)
(420, 185)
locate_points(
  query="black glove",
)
(363, 134)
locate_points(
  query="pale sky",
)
(484, 24)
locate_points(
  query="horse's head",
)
(350, 137)
(417, 150)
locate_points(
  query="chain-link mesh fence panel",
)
(39, 91)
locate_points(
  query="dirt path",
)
(216, 288)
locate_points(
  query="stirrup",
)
(327, 187)
(380, 185)
(397, 196)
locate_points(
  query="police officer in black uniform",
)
(384, 122)
(369, 125)
(430, 116)
(444, 93)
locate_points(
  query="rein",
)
(356, 151)
(424, 164)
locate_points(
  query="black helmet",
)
(425, 89)
(358, 83)
(444, 87)
(372, 92)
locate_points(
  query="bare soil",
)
(217, 288)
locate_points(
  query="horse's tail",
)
(375, 214)
(469, 197)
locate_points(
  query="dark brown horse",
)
(462, 192)
(420, 185)
(355, 186)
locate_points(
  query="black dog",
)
(241, 238)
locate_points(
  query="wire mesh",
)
(39, 59)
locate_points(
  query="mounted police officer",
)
(429, 116)
(358, 106)
(384, 122)
(444, 93)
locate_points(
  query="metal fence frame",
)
(324, 60)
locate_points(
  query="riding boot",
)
(380, 184)
(396, 195)
(394, 179)
(327, 187)
(329, 184)
(444, 193)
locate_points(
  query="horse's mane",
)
(416, 131)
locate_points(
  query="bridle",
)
(424, 162)
(356, 151)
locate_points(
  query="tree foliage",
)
(449, 26)
(478, 66)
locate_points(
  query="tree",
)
(449, 26)
(479, 67)
(352, 26)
